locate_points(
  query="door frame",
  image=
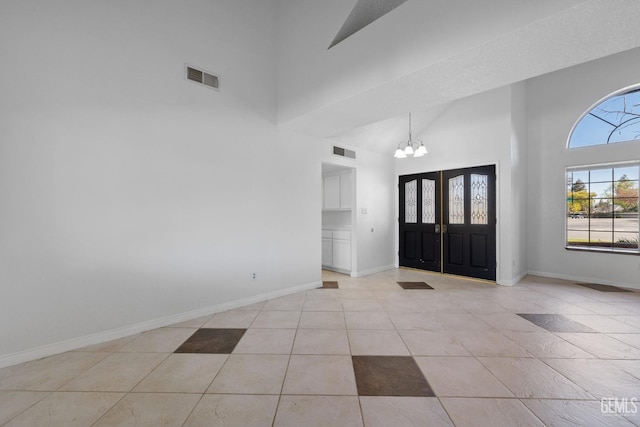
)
(416, 171)
(330, 168)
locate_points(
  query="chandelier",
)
(412, 147)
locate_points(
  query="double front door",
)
(448, 221)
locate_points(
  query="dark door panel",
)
(419, 221)
(469, 222)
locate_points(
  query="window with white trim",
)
(602, 208)
(602, 200)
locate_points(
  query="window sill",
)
(602, 250)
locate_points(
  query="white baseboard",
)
(513, 281)
(113, 334)
(585, 279)
(373, 271)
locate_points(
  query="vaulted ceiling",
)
(421, 55)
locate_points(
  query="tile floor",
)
(368, 352)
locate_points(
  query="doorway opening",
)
(338, 218)
(447, 221)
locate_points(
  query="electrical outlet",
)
(253, 276)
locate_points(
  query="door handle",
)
(444, 228)
(437, 228)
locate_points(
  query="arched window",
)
(602, 200)
(616, 118)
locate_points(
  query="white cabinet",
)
(337, 192)
(327, 249)
(331, 192)
(342, 254)
(336, 250)
(346, 191)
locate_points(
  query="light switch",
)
(363, 211)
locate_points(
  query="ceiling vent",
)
(202, 77)
(343, 152)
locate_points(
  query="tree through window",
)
(602, 208)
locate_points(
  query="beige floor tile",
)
(163, 340)
(377, 343)
(570, 413)
(460, 377)
(461, 322)
(362, 305)
(603, 323)
(321, 375)
(276, 320)
(322, 320)
(629, 366)
(367, 320)
(546, 344)
(231, 319)
(631, 320)
(602, 346)
(49, 373)
(466, 342)
(355, 296)
(420, 321)
(508, 322)
(118, 372)
(318, 411)
(288, 303)
(251, 374)
(150, 409)
(432, 343)
(481, 306)
(383, 411)
(477, 412)
(604, 308)
(266, 341)
(14, 402)
(321, 341)
(599, 377)
(321, 294)
(631, 339)
(530, 378)
(487, 343)
(183, 373)
(403, 305)
(109, 346)
(67, 409)
(322, 305)
(234, 411)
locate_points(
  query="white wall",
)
(519, 128)
(556, 101)
(127, 195)
(477, 131)
(375, 212)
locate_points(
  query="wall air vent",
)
(344, 152)
(202, 77)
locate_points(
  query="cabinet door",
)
(346, 191)
(327, 252)
(331, 192)
(342, 254)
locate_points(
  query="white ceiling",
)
(494, 46)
